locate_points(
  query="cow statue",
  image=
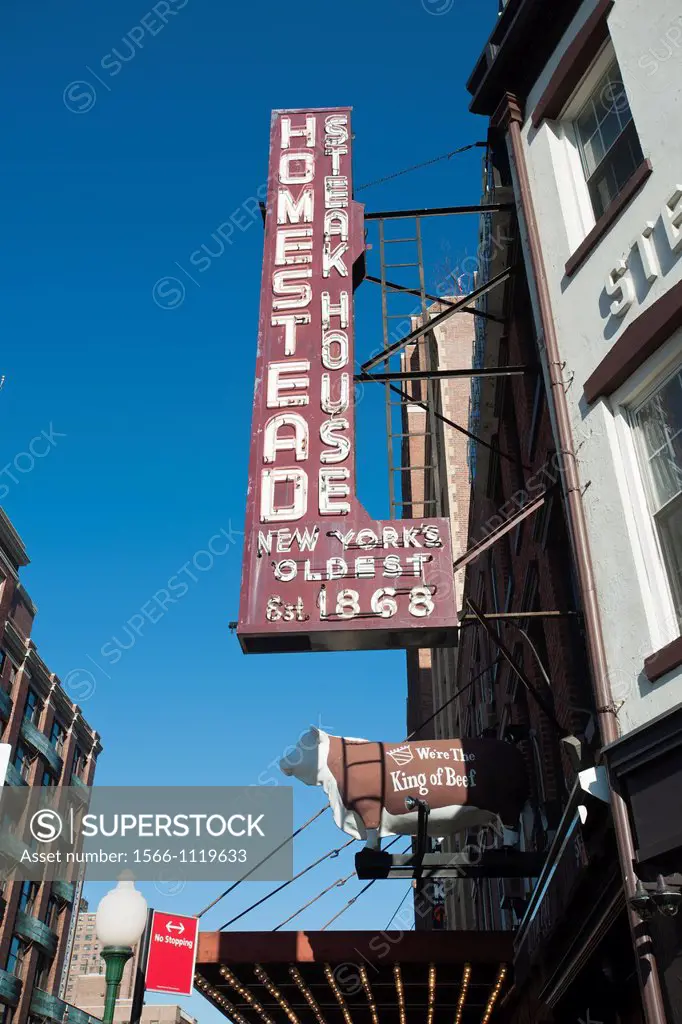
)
(467, 783)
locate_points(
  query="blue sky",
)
(114, 173)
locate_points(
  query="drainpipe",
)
(509, 118)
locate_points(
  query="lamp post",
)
(119, 923)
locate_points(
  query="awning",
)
(367, 977)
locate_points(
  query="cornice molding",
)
(40, 673)
(15, 643)
(11, 543)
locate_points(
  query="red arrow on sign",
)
(172, 954)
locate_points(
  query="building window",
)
(33, 707)
(658, 430)
(15, 957)
(29, 891)
(42, 975)
(608, 141)
(6, 1014)
(78, 762)
(22, 761)
(48, 779)
(12, 675)
(52, 913)
(57, 736)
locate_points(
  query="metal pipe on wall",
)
(509, 118)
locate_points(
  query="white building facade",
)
(621, 127)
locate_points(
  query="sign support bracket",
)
(544, 705)
(378, 864)
(392, 286)
(487, 371)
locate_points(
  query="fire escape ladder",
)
(406, 473)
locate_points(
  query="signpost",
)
(172, 953)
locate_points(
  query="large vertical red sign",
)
(318, 573)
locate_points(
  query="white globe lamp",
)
(119, 923)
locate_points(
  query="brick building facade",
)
(51, 745)
(445, 493)
(528, 569)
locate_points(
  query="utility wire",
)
(266, 858)
(454, 697)
(330, 853)
(337, 884)
(397, 911)
(349, 904)
(426, 163)
(364, 889)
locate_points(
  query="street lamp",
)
(119, 923)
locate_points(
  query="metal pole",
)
(509, 118)
(438, 211)
(140, 974)
(488, 371)
(115, 957)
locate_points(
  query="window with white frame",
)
(657, 424)
(607, 139)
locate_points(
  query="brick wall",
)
(529, 569)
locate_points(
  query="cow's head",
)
(301, 761)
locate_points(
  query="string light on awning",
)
(243, 991)
(275, 993)
(466, 976)
(368, 992)
(431, 1004)
(232, 1011)
(400, 993)
(307, 994)
(494, 995)
(329, 975)
(219, 1000)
